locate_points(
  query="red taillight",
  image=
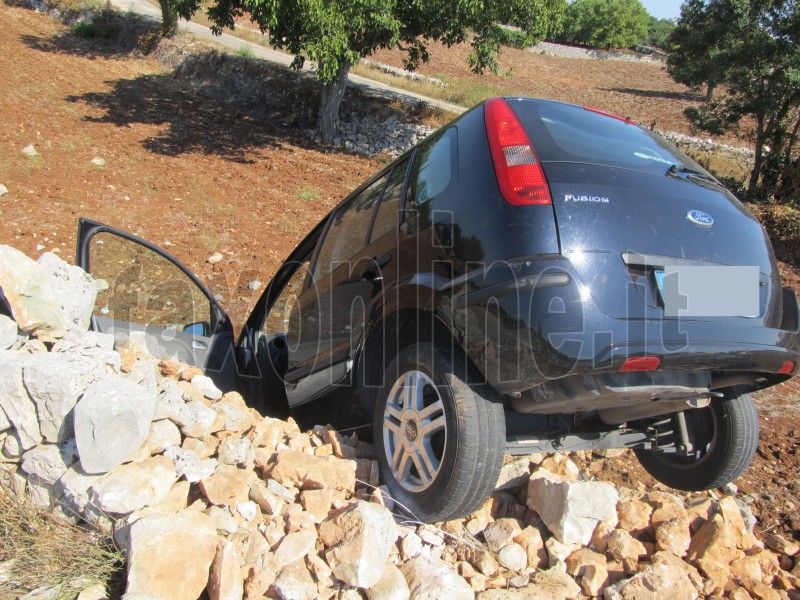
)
(516, 165)
(640, 363)
(605, 114)
(786, 368)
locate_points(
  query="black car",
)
(535, 276)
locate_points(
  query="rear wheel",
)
(439, 440)
(724, 438)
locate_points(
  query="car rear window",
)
(567, 133)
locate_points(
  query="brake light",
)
(605, 114)
(640, 363)
(786, 368)
(519, 172)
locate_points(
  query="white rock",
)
(358, 539)
(19, 409)
(133, 486)
(188, 465)
(293, 547)
(74, 288)
(163, 434)
(8, 332)
(652, 583)
(112, 419)
(215, 258)
(30, 150)
(73, 491)
(513, 556)
(55, 381)
(169, 556)
(48, 463)
(433, 579)
(248, 510)
(3, 190)
(225, 580)
(252, 286)
(392, 586)
(28, 291)
(232, 451)
(12, 446)
(206, 385)
(98, 161)
(571, 509)
(514, 474)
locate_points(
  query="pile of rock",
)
(371, 136)
(565, 51)
(205, 495)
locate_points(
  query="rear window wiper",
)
(681, 170)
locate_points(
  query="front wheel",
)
(439, 440)
(724, 437)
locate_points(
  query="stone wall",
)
(206, 496)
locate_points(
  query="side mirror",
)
(201, 329)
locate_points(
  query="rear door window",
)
(387, 217)
(567, 133)
(347, 232)
(435, 169)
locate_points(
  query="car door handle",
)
(373, 271)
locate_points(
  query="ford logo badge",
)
(699, 218)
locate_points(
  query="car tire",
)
(726, 432)
(440, 448)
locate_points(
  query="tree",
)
(606, 23)
(337, 33)
(169, 18)
(658, 32)
(758, 62)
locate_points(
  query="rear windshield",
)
(567, 133)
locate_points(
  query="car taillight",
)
(640, 363)
(786, 368)
(519, 173)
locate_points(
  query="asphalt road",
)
(369, 86)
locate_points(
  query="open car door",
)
(150, 293)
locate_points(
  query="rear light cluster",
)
(519, 172)
(786, 368)
(640, 363)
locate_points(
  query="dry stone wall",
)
(206, 496)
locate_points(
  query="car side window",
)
(347, 233)
(277, 319)
(387, 218)
(435, 169)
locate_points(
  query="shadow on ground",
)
(689, 96)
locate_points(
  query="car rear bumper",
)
(527, 322)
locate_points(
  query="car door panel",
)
(149, 296)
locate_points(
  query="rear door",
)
(149, 296)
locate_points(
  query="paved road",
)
(369, 86)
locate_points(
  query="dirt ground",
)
(197, 178)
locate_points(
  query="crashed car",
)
(535, 276)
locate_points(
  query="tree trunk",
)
(330, 101)
(169, 18)
(710, 91)
(759, 157)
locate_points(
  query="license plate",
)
(699, 291)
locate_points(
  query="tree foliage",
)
(658, 32)
(605, 23)
(338, 33)
(751, 48)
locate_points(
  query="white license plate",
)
(699, 291)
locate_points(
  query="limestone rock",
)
(594, 579)
(432, 579)
(169, 556)
(225, 580)
(15, 404)
(571, 509)
(48, 463)
(673, 535)
(8, 333)
(514, 474)
(227, 486)
(133, 486)
(513, 556)
(500, 533)
(30, 296)
(75, 291)
(163, 434)
(554, 584)
(293, 547)
(391, 586)
(626, 549)
(188, 465)
(314, 472)
(582, 558)
(530, 538)
(781, 545)
(207, 386)
(634, 516)
(358, 539)
(651, 584)
(713, 549)
(295, 582)
(55, 381)
(112, 419)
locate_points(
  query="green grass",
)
(308, 193)
(245, 51)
